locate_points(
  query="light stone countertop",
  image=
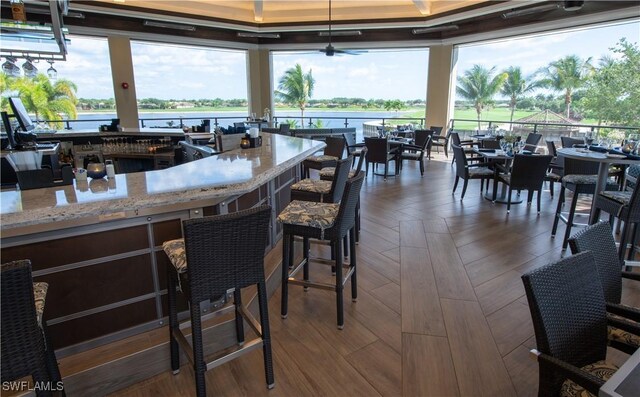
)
(225, 175)
(62, 134)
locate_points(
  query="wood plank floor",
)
(440, 311)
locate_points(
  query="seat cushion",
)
(176, 253)
(312, 185)
(480, 171)
(600, 369)
(619, 335)
(321, 158)
(329, 171)
(621, 197)
(578, 179)
(553, 176)
(40, 296)
(311, 214)
(412, 156)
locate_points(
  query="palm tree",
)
(515, 86)
(566, 74)
(479, 86)
(48, 101)
(295, 88)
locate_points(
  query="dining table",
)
(497, 156)
(625, 382)
(604, 160)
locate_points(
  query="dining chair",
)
(353, 148)
(556, 169)
(598, 239)
(416, 152)
(469, 171)
(379, 152)
(531, 143)
(468, 145)
(570, 322)
(568, 142)
(527, 173)
(491, 144)
(439, 140)
(332, 153)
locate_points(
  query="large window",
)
(371, 85)
(536, 58)
(177, 83)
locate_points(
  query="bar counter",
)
(99, 243)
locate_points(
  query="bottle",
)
(17, 11)
(111, 171)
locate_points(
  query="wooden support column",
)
(122, 72)
(441, 84)
(260, 86)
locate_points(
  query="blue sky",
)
(175, 72)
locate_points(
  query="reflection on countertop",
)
(227, 174)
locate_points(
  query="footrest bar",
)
(249, 346)
(330, 287)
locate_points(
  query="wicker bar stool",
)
(219, 254)
(324, 221)
(323, 191)
(26, 348)
(580, 177)
(332, 153)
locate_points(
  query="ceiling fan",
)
(330, 50)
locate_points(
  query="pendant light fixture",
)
(10, 68)
(30, 70)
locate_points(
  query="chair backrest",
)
(284, 128)
(361, 157)
(347, 212)
(350, 140)
(568, 142)
(568, 312)
(21, 335)
(225, 251)
(378, 149)
(579, 167)
(436, 130)
(340, 177)
(335, 146)
(423, 138)
(598, 239)
(551, 148)
(241, 124)
(528, 171)
(455, 138)
(461, 161)
(533, 139)
(491, 144)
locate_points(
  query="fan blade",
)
(351, 52)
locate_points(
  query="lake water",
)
(94, 120)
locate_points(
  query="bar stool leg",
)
(173, 321)
(572, 212)
(237, 301)
(199, 365)
(339, 286)
(305, 257)
(352, 259)
(263, 304)
(558, 212)
(286, 261)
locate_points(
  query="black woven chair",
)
(625, 205)
(568, 142)
(218, 254)
(570, 323)
(491, 144)
(439, 140)
(532, 141)
(598, 239)
(416, 152)
(469, 171)
(468, 145)
(380, 153)
(319, 190)
(353, 148)
(527, 173)
(332, 153)
(328, 174)
(322, 221)
(580, 177)
(25, 344)
(556, 168)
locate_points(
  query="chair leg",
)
(263, 305)
(50, 360)
(446, 152)
(633, 242)
(509, 201)
(41, 376)
(237, 301)
(538, 199)
(199, 366)
(464, 188)
(529, 196)
(481, 185)
(596, 216)
(305, 257)
(358, 221)
(572, 212)
(173, 320)
(558, 211)
(386, 169)
(622, 249)
(352, 260)
(421, 167)
(551, 188)
(455, 185)
(339, 286)
(286, 261)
